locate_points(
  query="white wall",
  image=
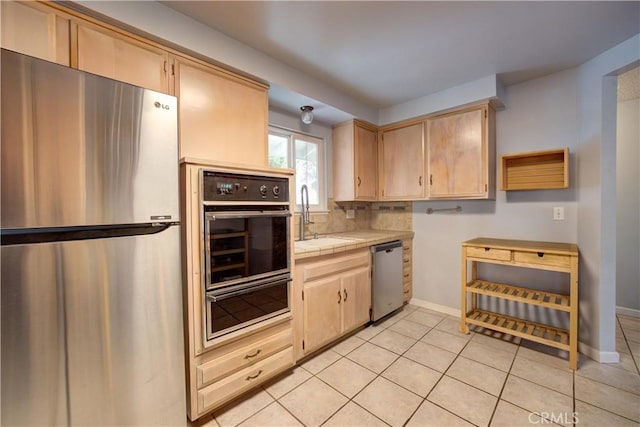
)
(596, 155)
(539, 114)
(628, 207)
(487, 87)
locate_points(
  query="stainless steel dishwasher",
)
(386, 286)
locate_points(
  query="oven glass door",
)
(236, 307)
(242, 246)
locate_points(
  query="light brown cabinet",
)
(461, 154)
(355, 157)
(241, 360)
(223, 116)
(407, 267)
(401, 163)
(36, 30)
(111, 54)
(232, 369)
(336, 296)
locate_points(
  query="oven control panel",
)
(223, 186)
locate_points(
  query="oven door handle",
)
(232, 215)
(245, 290)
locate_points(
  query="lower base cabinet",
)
(407, 274)
(234, 367)
(335, 297)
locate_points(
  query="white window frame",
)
(292, 136)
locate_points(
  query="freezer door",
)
(33, 376)
(92, 332)
(123, 300)
(79, 149)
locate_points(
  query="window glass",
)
(305, 154)
(307, 169)
(278, 151)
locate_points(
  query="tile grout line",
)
(626, 341)
(493, 413)
(440, 379)
(384, 370)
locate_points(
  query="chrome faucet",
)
(305, 217)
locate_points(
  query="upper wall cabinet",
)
(401, 163)
(223, 116)
(461, 154)
(111, 54)
(354, 161)
(36, 30)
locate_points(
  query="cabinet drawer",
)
(245, 379)
(240, 358)
(406, 275)
(489, 253)
(334, 264)
(542, 258)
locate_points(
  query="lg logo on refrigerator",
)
(160, 105)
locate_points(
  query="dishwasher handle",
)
(386, 247)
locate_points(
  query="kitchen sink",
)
(321, 242)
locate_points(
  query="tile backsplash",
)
(368, 215)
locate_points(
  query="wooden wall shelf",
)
(535, 170)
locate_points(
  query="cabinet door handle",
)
(249, 356)
(540, 254)
(420, 180)
(339, 297)
(431, 179)
(359, 181)
(345, 295)
(253, 377)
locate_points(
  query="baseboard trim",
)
(435, 307)
(597, 355)
(631, 312)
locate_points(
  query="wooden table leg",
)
(573, 315)
(463, 303)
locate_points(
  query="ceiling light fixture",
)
(307, 114)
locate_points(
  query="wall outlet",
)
(558, 213)
(351, 214)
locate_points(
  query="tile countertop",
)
(339, 242)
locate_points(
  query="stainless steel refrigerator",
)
(91, 273)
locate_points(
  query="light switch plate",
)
(351, 214)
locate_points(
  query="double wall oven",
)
(247, 265)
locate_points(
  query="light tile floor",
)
(416, 369)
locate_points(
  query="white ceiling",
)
(383, 53)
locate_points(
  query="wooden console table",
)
(562, 257)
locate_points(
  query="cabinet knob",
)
(540, 254)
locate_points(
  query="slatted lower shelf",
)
(532, 331)
(525, 295)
